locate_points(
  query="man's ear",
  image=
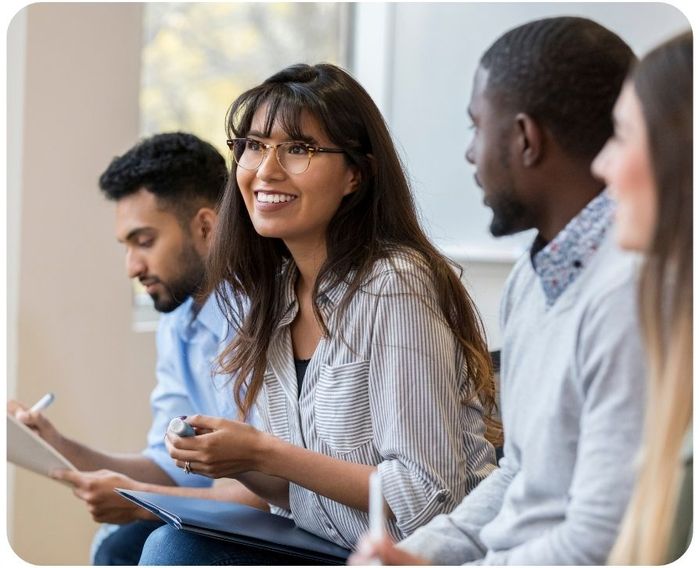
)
(202, 226)
(530, 139)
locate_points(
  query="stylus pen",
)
(43, 403)
(376, 507)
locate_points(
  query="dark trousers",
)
(123, 547)
(171, 547)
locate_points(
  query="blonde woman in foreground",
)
(647, 165)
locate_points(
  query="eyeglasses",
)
(294, 157)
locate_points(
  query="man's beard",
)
(509, 214)
(183, 286)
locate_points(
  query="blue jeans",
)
(120, 545)
(167, 546)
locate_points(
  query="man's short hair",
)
(182, 171)
(565, 72)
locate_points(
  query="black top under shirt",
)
(300, 365)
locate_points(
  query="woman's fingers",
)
(201, 422)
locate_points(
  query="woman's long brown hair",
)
(371, 223)
(663, 81)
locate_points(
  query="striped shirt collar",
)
(329, 295)
(561, 260)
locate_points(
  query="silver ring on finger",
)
(187, 468)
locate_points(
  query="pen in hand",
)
(43, 403)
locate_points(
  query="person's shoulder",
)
(518, 283)
(226, 309)
(522, 269)
(613, 270)
(608, 298)
(401, 264)
(229, 301)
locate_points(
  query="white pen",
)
(376, 513)
(376, 507)
(43, 403)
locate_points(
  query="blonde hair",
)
(666, 305)
(646, 530)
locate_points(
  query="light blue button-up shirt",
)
(187, 384)
(186, 350)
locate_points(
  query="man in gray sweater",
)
(572, 375)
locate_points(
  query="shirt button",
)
(442, 497)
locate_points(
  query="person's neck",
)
(565, 200)
(198, 301)
(309, 258)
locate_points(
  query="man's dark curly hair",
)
(565, 72)
(182, 171)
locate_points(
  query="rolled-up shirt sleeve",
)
(433, 445)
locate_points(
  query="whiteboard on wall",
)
(417, 60)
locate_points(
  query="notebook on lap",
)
(238, 523)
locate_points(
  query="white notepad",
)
(26, 449)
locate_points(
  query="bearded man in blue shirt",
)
(166, 189)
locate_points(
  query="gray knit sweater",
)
(572, 403)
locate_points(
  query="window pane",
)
(198, 57)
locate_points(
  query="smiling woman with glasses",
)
(360, 347)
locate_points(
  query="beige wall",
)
(73, 331)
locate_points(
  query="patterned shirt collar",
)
(560, 261)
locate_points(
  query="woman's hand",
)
(221, 448)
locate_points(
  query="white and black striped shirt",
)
(385, 388)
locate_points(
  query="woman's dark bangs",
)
(285, 106)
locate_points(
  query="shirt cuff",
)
(413, 504)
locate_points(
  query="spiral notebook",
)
(238, 523)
